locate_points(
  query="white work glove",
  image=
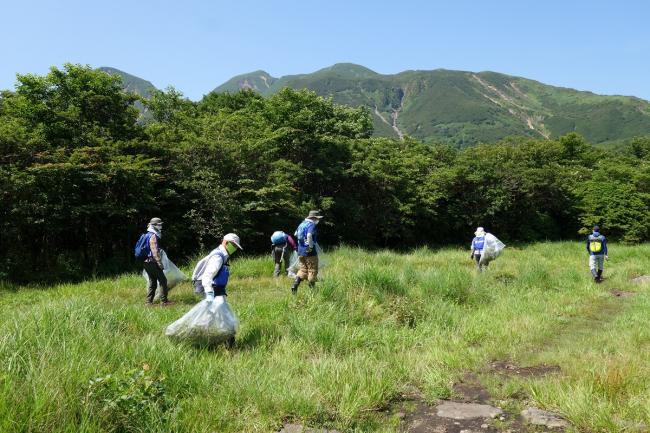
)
(607, 258)
(209, 296)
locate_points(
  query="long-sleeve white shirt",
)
(212, 268)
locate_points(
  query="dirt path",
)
(472, 408)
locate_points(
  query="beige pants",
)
(308, 268)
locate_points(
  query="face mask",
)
(231, 248)
(316, 221)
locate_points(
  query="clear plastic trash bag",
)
(294, 264)
(206, 324)
(292, 270)
(174, 275)
(492, 248)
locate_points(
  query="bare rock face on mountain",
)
(464, 108)
(455, 107)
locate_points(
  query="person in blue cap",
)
(597, 249)
(283, 247)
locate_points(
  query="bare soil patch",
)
(506, 368)
(469, 389)
(621, 293)
(422, 418)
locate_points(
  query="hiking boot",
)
(148, 304)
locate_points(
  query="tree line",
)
(82, 171)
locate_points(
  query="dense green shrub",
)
(80, 175)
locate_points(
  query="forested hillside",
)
(80, 177)
(464, 108)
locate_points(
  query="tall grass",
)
(379, 322)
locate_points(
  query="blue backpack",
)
(142, 248)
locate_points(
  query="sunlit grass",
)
(378, 322)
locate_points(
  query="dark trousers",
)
(281, 253)
(480, 265)
(156, 275)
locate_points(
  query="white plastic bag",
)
(492, 248)
(174, 275)
(206, 324)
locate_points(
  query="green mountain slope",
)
(135, 85)
(260, 81)
(464, 108)
(132, 83)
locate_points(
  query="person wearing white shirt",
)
(211, 274)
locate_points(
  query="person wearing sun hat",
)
(478, 243)
(306, 236)
(211, 274)
(153, 264)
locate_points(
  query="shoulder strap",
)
(203, 263)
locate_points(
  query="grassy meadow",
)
(90, 357)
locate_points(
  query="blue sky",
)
(602, 46)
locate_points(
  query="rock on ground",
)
(537, 416)
(454, 410)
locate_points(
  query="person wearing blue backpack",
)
(211, 274)
(597, 249)
(307, 251)
(283, 247)
(148, 249)
(478, 243)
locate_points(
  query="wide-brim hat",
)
(314, 214)
(231, 237)
(479, 231)
(155, 221)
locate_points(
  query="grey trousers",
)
(281, 254)
(596, 262)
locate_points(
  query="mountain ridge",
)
(460, 108)
(464, 107)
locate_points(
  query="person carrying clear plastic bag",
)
(306, 235)
(294, 263)
(283, 246)
(173, 275)
(211, 321)
(485, 248)
(149, 251)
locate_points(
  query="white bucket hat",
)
(479, 231)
